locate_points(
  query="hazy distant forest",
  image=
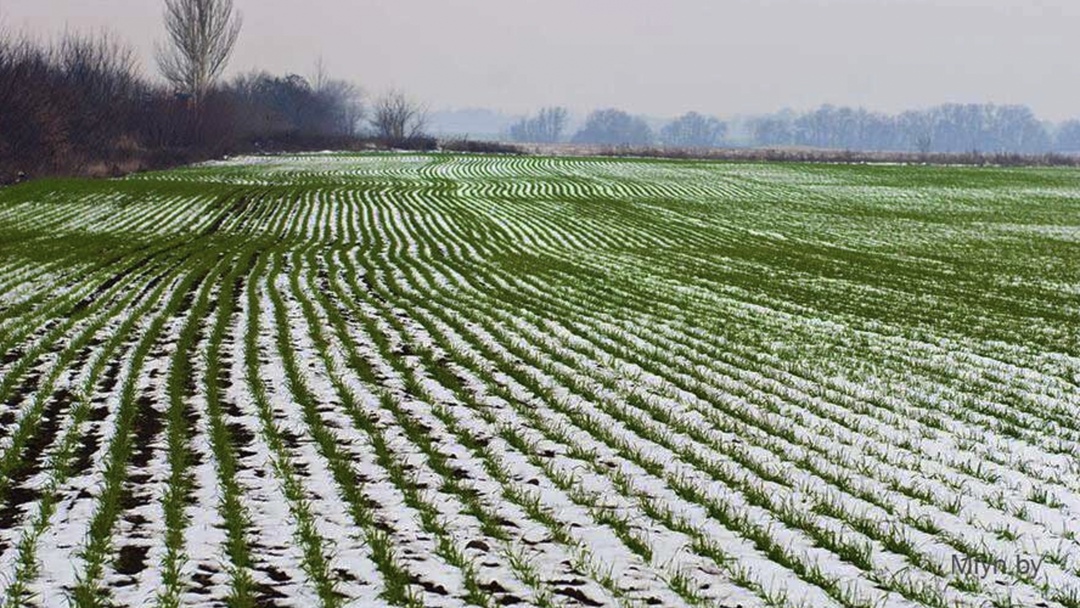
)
(82, 105)
(945, 129)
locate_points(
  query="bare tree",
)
(343, 98)
(548, 127)
(320, 77)
(32, 131)
(202, 35)
(396, 118)
(692, 130)
(345, 101)
(1067, 138)
(553, 123)
(614, 128)
(67, 105)
(102, 77)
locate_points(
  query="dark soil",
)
(131, 560)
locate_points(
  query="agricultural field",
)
(436, 380)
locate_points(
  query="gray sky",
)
(648, 56)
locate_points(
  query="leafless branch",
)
(397, 118)
(201, 37)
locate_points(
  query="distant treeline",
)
(612, 127)
(80, 106)
(808, 155)
(946, 129)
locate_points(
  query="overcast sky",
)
(723, 57)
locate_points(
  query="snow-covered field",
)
(425, 380)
